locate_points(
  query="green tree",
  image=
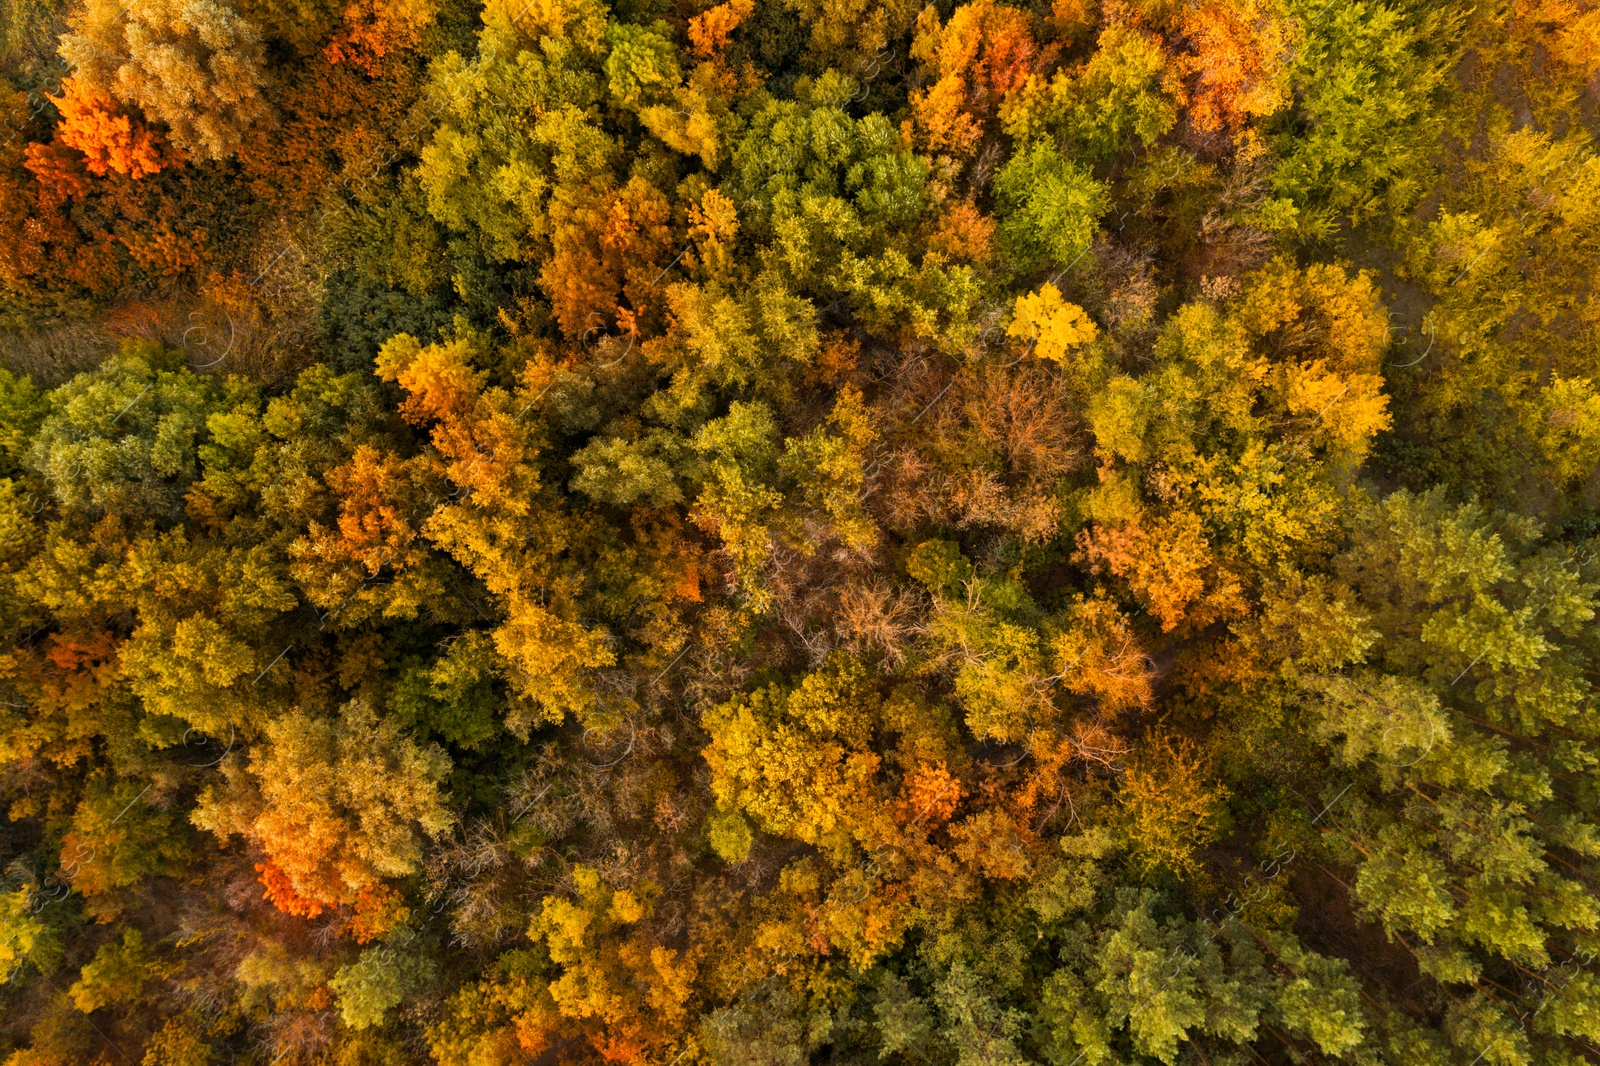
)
(1049, 208)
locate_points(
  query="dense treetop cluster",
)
(787, 531)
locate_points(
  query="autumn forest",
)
(971, 533)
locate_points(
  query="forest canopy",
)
(788, 531)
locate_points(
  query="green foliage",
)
(23, 408)
(1049, 208)
(24, 937)
(642, 65)
(831, 199)
(788, 531)
(454, 696)
(375, 984)
(118, 974)
(1364, 80)
(125, 440)
(622, 472)
(1116, 102)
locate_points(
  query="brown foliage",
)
(988, 450)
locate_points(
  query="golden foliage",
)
(337, 805)
(1049, 324)
(1170, 797)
